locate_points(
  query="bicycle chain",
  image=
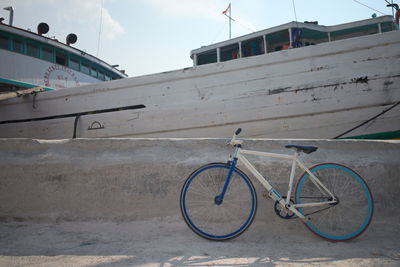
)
(308, 214)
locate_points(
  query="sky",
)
(151, 36)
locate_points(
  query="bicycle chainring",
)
(282, 212)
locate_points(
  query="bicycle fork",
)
(220, 198)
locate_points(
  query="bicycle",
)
(218, 201)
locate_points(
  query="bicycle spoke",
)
(346, 219)
(214, 220)
(216, 187)
(205, 189)
(201, 193)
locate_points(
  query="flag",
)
(226, 10)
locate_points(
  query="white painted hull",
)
(310, 92)
(26, 69)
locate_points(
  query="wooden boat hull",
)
(310, 92)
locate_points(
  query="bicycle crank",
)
(283, 212)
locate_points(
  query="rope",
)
(294, 9)
(101, 20)
(369, 7)
(367, 121)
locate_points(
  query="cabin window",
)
(74, 64)
(278, 40)
(229, 52)
(253, 47)
(3, 42)
(47, 54)
(85, 68)
(18, 46)
(207, 57)
(32, 50)
(61, 58)
(354, 32)
(312, 37)
(387, 26)
(93, 72)
(101, 76)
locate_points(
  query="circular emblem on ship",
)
(60, 77)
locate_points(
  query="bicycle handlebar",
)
(233, 140)
(238, 131)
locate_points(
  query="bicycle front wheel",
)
(209, 218)
(350, 216)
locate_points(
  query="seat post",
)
(294, 164)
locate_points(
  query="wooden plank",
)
(19, 93)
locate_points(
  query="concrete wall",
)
(140, 179)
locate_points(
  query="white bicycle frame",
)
(239, 154)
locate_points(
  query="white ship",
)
(297, 80)
(30, 59)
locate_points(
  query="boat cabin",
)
(288, 36)
(30, 58)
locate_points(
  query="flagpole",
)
(230, 18)
(230, 21)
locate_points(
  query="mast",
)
(229, 9)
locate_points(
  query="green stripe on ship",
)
(22, 84)
(376, 136)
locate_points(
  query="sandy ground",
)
(169, 242)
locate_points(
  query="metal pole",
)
(230, 21)
(11, 9)
(392, 9)
(229, 16)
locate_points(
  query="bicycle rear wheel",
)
(344, 220)
(213, 220)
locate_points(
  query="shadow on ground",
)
(169, 242)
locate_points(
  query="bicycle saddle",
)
(305, 149)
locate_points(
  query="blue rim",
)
(194, 227)
(366, 192)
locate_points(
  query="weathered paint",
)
(315, 92)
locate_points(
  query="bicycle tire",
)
(210, 220)
(343, 221)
